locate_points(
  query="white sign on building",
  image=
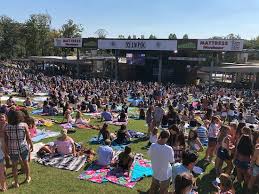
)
(166, 45)
(220, 45)
(68, 42)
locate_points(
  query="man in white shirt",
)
(161, 157)
(105, 154)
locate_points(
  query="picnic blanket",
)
(116, 122)
(94, 115)
(66, 162)
(37, 112)
(97, 174)
(39, 99)
(43, 122)
(36, 148)
(136, 134)
(44, 134)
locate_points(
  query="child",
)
(68, 116)
(79, 119)
(212, 135)
(32, 127)
(153, 136)
(2, 169)
(254, 163)
(193, 141)
(226, 186)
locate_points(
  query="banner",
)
(183, 44)
(90, 43)
(68, 42)
(127, 44)
(220, 45)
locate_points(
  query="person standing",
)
(158, 115)
(162, 156)
(19, 143)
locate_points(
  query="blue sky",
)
(197, 18)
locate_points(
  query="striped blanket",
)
(67, 162)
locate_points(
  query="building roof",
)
(235, 68)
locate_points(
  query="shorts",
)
(255, 170)
(24, 156)
(223, 154)
(245, 165)
(212, 141)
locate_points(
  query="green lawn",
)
(51, 180)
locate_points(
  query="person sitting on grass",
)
(122, 117)
(68, 116)
(123, 136)
(79, 119)
(105, 154)
(125, 160)
(63, 145)
(27, 102)
(105, 133)
(106, 115)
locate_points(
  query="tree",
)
(9, 37)
(36, 30)
(71, 30)
(121, 37)
(152, 36)
(185, 36)
(101, 33)
(172, 36)
(142, 37)
(232, 36)
(129, 37)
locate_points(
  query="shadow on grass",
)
(143, 192)
(203, 164)
(205, 183)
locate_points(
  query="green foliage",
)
(172, 36)
(33, 37)
(152, 36)
(185, 36)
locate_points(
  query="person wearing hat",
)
(65, 144)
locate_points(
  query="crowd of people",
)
(182, 122)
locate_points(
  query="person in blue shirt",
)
(105, 154)
(106, 116)
(202, 132)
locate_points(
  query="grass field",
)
(51, 180)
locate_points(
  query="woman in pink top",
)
(212, 135)
(65, 144)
